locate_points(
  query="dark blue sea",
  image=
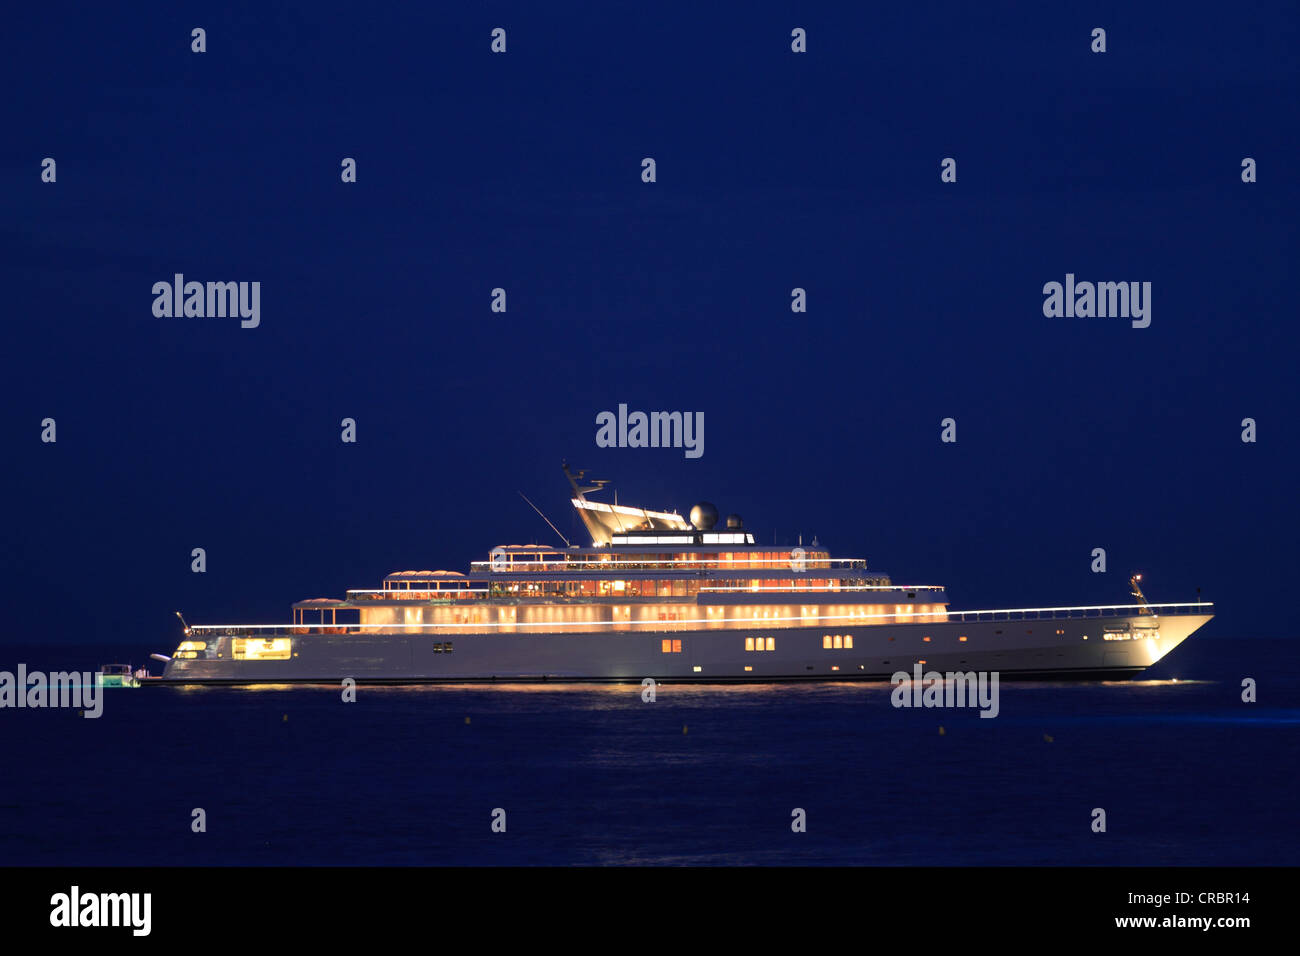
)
(1187, 773)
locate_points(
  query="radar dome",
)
(734, 522)
(704, 516)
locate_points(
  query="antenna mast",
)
(1135, 588)
(598, 533)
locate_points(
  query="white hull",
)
(1014, 648)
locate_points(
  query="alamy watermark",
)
(75, 908)
(651, 430)
(181, 299)
(951, 689)
(1085, 300)
(81, 691)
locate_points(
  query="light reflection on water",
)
(1058, 702)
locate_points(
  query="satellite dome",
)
(704, 516)
(734, 522)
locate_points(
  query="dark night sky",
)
(775, 170)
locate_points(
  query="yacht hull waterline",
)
(403, 658)
(659, 597)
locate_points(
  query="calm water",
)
(1186, 772)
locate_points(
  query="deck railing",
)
(620, 565)
(922, 617)
(1057, 613)
(431, 595)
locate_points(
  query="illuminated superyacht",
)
(656, 595)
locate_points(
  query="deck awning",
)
(423, 575)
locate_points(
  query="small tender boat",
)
(120, 675)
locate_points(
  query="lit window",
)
(255, 649)
(677, 647)
(838, 640)
(667, 646)
(835, 667)
(697, 668)
(749, 643)
(926, 639)
(748, 668)
(826, 640)
(848, 640)
(771, 643)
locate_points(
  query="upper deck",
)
(629, 570)
(644, 557)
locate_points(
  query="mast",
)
(599, 534)
(1135, 588)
